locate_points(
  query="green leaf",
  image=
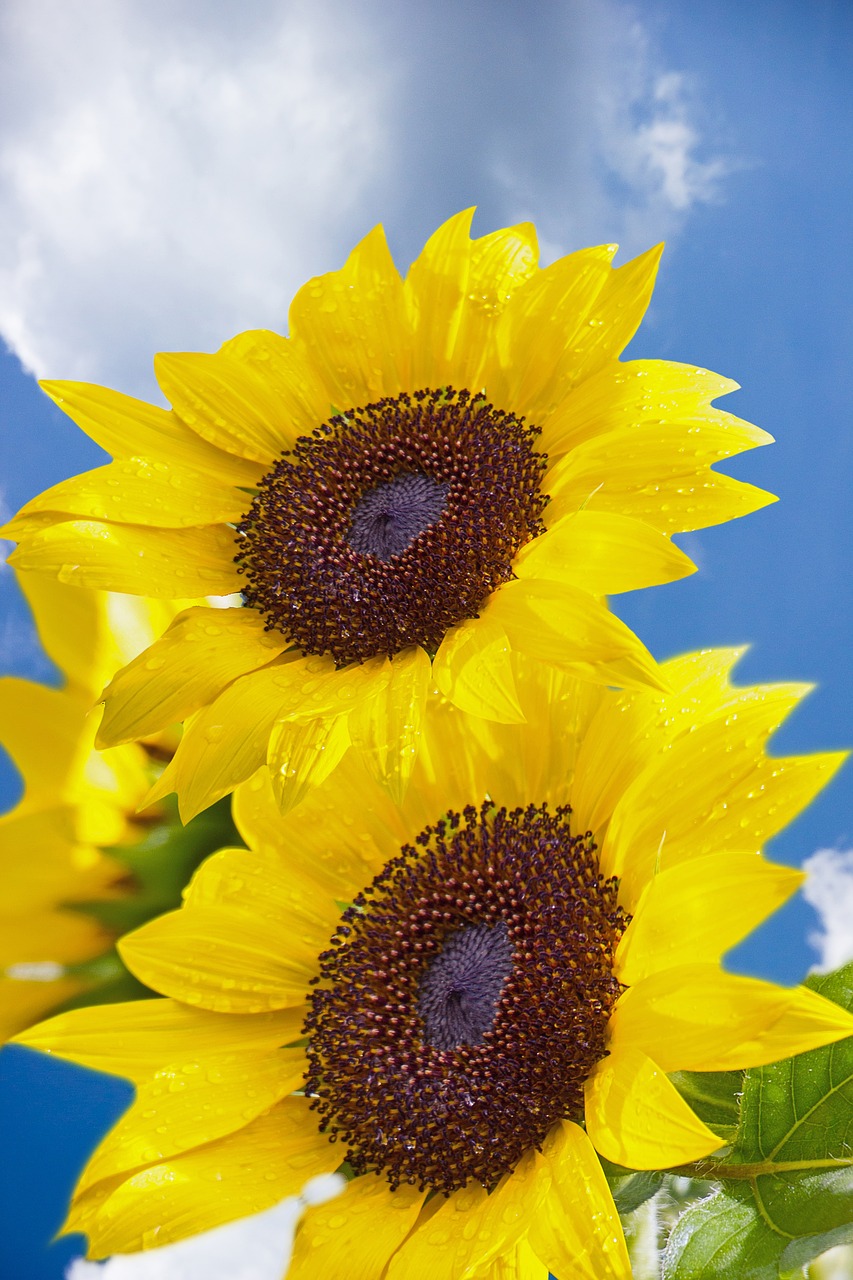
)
(714, 1096)
(787, 1192)
(631, 1191)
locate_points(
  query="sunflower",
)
(77, 804)
(451, 989)
(428, 475)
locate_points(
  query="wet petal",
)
(353, 1237)
(202, 652)
(123, 557)
(473, 667)
(696, 911)
(699, 1018)
(222, 959)
(386, 729)
(637, 1118)
(603, 554)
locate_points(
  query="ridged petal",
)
(642, 397)
(129, 428)
(455, 290)
(353, 1237)
(603, 553)
(473, 667)
(252, 398)
(577, 1229)
(302, 754)
(221, 959)
(699, 1018)
(715, 790)
(270, 886)
(23, 1002)
(697, 910)
(470, 1229)
(137, 491)
(128, 1039)
(660, 474)
(386, 729)
(573, 631)
(202, 652)
(637, 1118)
(141, 561)
(338, 855)
(615, 747)
(241, 1174)
(239, 723)
(353, 328)
(540, 329)
(192, 1101)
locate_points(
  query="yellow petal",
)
(233, 401)
(518, 1263)
(643, 397)
(136, 491)
(603, 553)
(386, 729)
(352, 326)
(129, 428)
(338, 855)
(573, 631)
(272, 887)
(44, 864)
(202, 651)
(239, 723)
(241, 1174)
(660, 473)
(353, 1237)
(538, 331)
(23, 1002)
(301, 755)
(473, 667)
(577, 1229)
(132, 558)
(222, 959)
(699, 1018)
(455, 290)
(89, 635)
(715, 790)
(695, 911)
(50, 767)
(194, 1100)
(637, 1118)
(58, 937)
(615, 747)
(136, 1038)
(470, 1229)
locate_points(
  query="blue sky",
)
(175, 182)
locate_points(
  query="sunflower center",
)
(465, 997)
(391, 523)
(387, 519)
(460, 989)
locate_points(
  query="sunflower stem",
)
(641, 1236)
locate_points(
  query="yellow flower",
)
(76, 800)
(500, 970)
(427, 476)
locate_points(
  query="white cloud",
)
(172, 170)
(829, 889)
(255, 1248)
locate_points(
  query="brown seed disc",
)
(391, 523)
(465, 998)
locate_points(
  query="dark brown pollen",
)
(391, 523)
(465, 998)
